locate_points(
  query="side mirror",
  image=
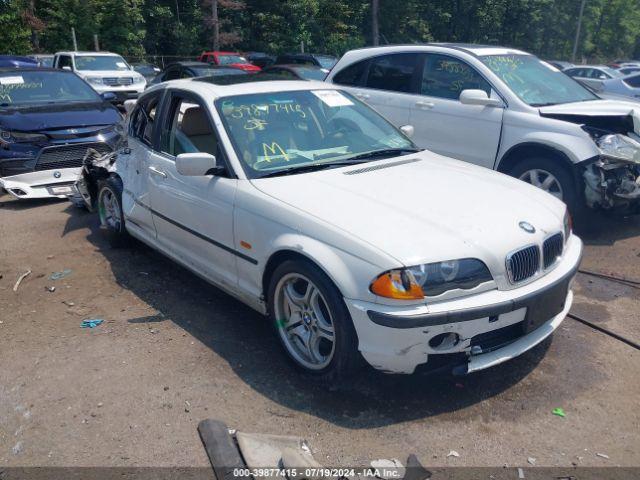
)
(128, 105)
(478, 97)
(66, 67)
(108, 96)
(196, 164)
(408, 130)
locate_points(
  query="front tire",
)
(550, 176)
(110, 211)
(312, 322)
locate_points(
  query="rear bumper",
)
(486, 329)
(42, 184)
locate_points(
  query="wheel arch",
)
(533, 149)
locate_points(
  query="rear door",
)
(388, 83)
(446, 126)
(193, 215)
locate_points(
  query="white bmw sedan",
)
(307, 205)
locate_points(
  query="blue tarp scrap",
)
(91, 323)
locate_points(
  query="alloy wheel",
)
(544, 180)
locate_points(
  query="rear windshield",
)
(101, 62)
(229, 59)
(25, 88)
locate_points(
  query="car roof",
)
(81, 53)
(293, 66)
(192, 63)
(471, 48)
(242, 86)
(35, 68)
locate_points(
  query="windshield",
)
(27, 88)
(326, 61)
(534, 82)
(274, 132)
(311, 73)
(101, 62)
(229, 59)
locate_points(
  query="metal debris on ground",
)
(91, 323)
(20, 278)
(59, 275)
(388, 469)
(453, 453)
(531, 460)
(50, 289)
(559, 412)
(520, 473)
(602, 455)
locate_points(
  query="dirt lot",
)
(174, 350)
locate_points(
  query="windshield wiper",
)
(385, 152)
(311, 168)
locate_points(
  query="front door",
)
(446, 126)
(193, 215)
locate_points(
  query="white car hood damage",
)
(597, 108)
(423, 207)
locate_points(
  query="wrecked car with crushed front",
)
(48, 121)
(308, 206)
(507, 110)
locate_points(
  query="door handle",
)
(155, 171)
(425, 105)
(362, 96)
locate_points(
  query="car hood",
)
(604, 110)
(108, 73)
(60, 116)
(423, 207)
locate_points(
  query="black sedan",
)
(296, 72)
(179, 70)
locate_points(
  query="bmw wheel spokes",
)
(304, 320)
(544, 180)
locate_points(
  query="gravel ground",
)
(174, 350)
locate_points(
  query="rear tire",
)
(312, 322)
(110, 211)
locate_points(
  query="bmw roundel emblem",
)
(57, 174)
(527, 227)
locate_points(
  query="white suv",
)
(108, 73)
(506, 110)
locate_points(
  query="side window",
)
(65, 61)
(143, 118)
(393, 72)
(633, 82)
(173, 74)
(445, 77)
(188, 129)
(352, 75)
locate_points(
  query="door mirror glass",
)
(66, 67)
(478, 97)
(196, 164)
(108, 96)
(408, 130)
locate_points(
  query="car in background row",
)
(628, 86)
(106, 72)
(296, 72)
(260, 59)
(506, 110)
(48, 120)
(43, 59)
(319, 60)
(147, 70)
(560, 64)
(187, 69)
(228, 59)
(308, 206)
(593, 75)
(15, 61)
(628, 70)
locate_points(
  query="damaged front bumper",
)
(478, 331)
(612, 185)
(41, 184)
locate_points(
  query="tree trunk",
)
(215, 24)
(375, 30)
(35, 39)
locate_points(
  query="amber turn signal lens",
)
(398, 284)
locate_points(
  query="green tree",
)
(14, 31)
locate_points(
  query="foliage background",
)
(611, 28)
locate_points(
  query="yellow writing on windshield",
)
(265, 109)
(255, 124)
(272, 149)
(7, 89)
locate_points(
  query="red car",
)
(228, 59)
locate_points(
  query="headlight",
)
(619, 147)
(431, 279)
(138, 79)
(95, 80)
(7, 136)
(568, 225)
